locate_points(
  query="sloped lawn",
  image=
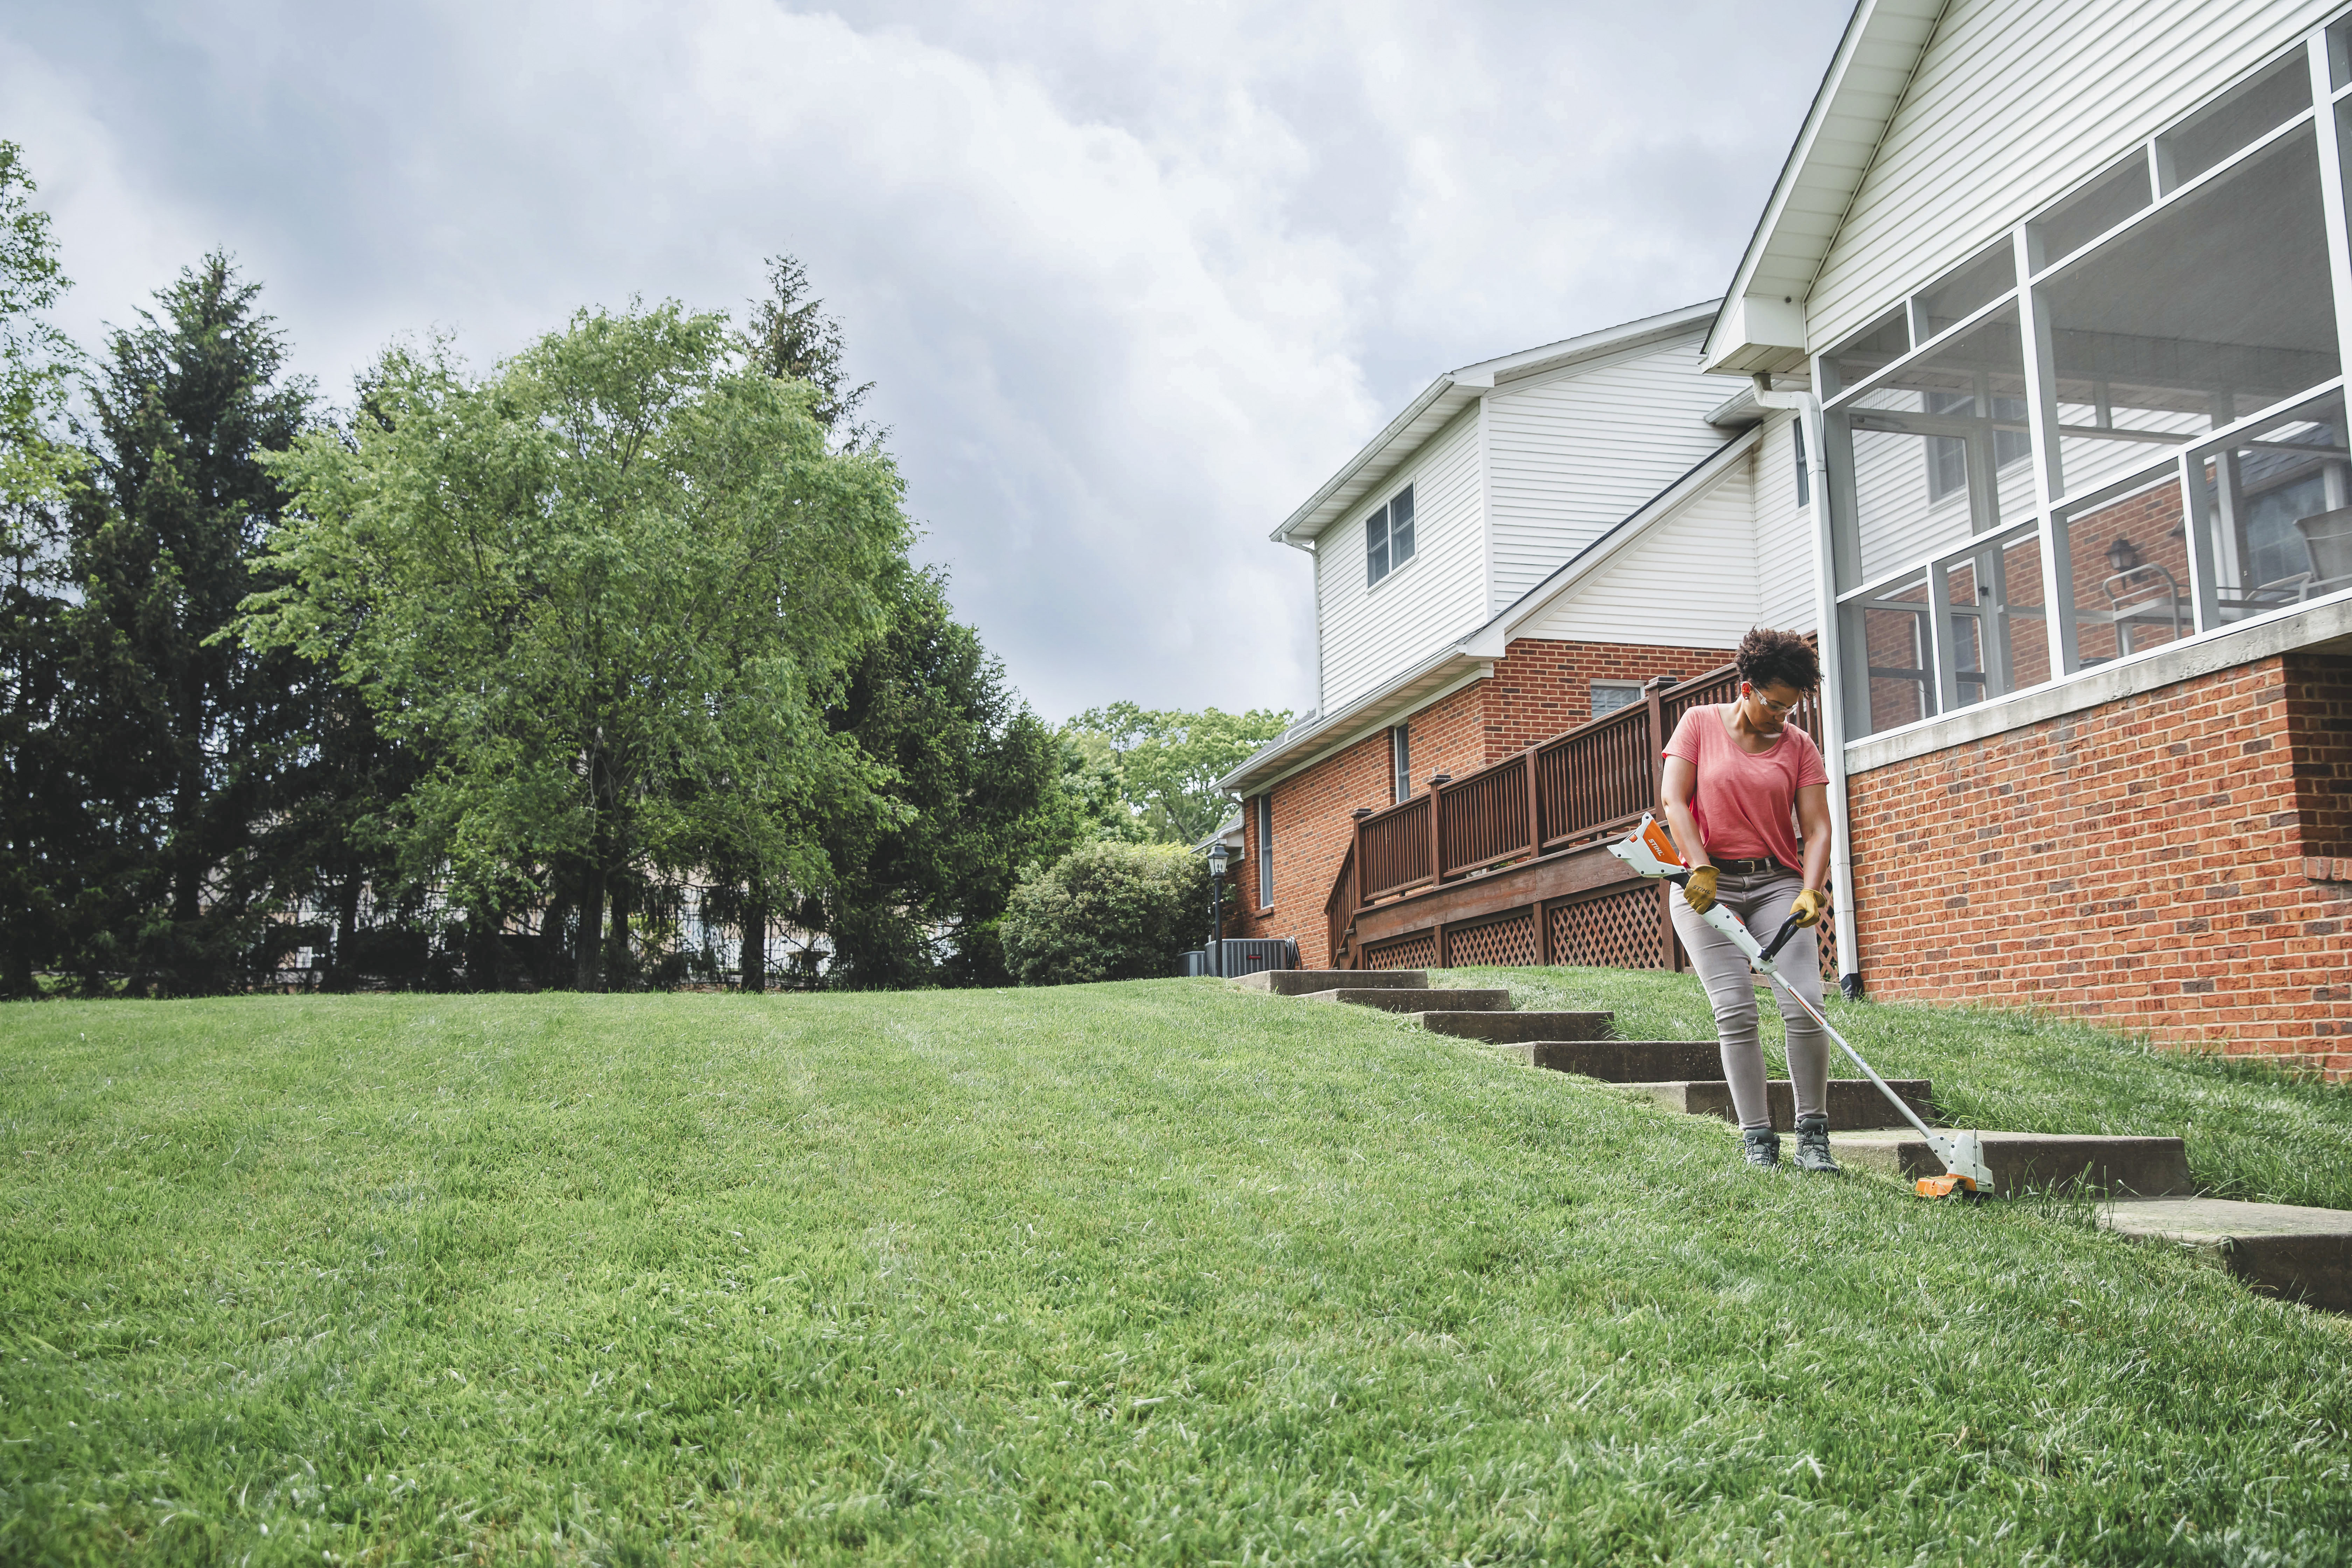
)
(1156, 1272)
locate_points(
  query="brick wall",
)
(1539, 689)
(2160, 864)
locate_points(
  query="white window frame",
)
(1378, 519)
(2327, 51)
(1266, 851)
(1400, 764)
(1632, 689)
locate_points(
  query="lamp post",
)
(1218, 857)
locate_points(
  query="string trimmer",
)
(1651, 851)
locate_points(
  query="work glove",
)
(1699, 891)
(1810, 905)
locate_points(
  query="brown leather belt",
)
(1747, 867)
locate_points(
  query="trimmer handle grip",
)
(1787, 931)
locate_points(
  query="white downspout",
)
(1808, 409)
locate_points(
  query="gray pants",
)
(1762, 902)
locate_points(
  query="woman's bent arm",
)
(1674, 786)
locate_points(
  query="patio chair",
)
(2328, 537)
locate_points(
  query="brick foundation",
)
(1538, 690)
(2172, 863)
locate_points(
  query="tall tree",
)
(606, 591)
(1167, 763)
(175, 723)
(973, 794)
(42, 816)
(789, 336)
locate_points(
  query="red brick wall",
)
(1539, 689)
(2148, 864)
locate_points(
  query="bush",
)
(1107, 911)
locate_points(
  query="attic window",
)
(1388, 536)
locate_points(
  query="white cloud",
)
(1132, 280)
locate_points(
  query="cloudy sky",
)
(1132, 280)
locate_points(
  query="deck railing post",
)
(1436, 832)
(1356, 893)
(1670, 954)
(1535, 806)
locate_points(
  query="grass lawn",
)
(1158, 1271)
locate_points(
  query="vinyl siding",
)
(2014, 103)
(1689, 581)
(1571, 455)
(1784, 533)
(1371, 634)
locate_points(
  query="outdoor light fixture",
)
(2123, 555)
(1218, 857)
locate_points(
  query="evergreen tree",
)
(790, 337)
(974, 794)
(175, 727)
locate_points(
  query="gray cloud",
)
(1132, 280)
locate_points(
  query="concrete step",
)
(1853, 1102)
(2302, 1254)
(1400, 999)
(1302, 982)
(2138, 1167)
(1516, 1029)
(1619, 1061)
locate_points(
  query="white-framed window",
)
(1400, 764)
(1388, 536)
(1266, 851)
(2117, 425)
(1608, 696)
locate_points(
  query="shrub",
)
(1107, 911)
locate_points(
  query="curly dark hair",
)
(1768, 658)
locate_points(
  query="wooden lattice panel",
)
(1617, 931)
(1417, 951)
(1826, 934)
(1504, 942)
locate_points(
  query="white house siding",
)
(1370, 634)
(1689, 582)
(2016, 102)
(1784, 533)
(1573, 454)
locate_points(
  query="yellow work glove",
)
(1699, 891)
(1810, 905)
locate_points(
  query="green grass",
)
(1156, 1272)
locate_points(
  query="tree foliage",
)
(975, 781)
(606, 591)
(1107, 910)
(1167, 763)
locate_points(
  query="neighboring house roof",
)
(1469, 658)
(1230, 830)
(1456, 390)
(1761, 323)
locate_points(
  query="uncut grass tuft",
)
(1156, 1271)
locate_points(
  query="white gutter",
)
(1808, 409)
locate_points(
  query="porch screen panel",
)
(2212, 309)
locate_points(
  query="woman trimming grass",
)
(1738, 786)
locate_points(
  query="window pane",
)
(2274, 513)
(1967, 289)
(1915, 483)
(2128, 586)
(2019, 632)
(2212, 310)
(2097, 207)
(1608, 696)
(1890, 633)
(1804, 468)
(1376, 545)
(2269, 101)
(2339, 53)
(1401, 527)
(1866, 353)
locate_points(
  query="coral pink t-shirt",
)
(1744, 802)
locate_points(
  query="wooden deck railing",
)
(1591, 782)
(1339, 909)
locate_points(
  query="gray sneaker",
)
(1763, 1146)
(1813, 1144)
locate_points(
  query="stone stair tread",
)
(1854, 1103)
(1406, 999)
(1619, 1061)
(1514, 1028)
(2303, 1254)
(1300, 982)
(2142, 1166)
